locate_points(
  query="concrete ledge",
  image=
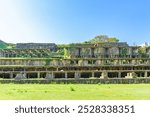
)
(80, 81)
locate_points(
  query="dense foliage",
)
(4, 45)
(97, 39)
(102, 38)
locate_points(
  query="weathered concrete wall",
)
(51, 46)
(82, 81)
(79, 62)
(26, 53)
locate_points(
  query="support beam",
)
(92, 74)
(49, 75)
(38, 74)
(119, 74)
(77, 75)
(66, 75)
(131, 75)
(20, 76)
(11, 75)
(145, 74)
(104, 74)
(25, 74)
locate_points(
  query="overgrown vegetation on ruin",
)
(62, 49)
(95, 40)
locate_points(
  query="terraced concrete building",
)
(50, 61)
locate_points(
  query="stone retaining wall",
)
(81, 81)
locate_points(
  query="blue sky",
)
(68, 21)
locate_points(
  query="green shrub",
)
(72, 89)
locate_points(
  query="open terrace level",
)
(74, 68)
(76, 74)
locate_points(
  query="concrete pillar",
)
(57, 69)
(104, 74)
(66, 75)
(11, 75)
(20, 76)
(131, 75)
(25, 74)
(53, 75)
(77, 75)
(38, 74)
(119, 74)
(49, 75)
(92, 74)
(145, 74)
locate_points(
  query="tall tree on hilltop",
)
(102, 38)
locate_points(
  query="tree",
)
(142, 51)
(102, 38)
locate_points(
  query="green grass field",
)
(74, 92)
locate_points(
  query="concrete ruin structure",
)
(50, 46)
(101, 60)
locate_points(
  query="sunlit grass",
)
(74, 91)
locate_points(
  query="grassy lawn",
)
(74, 92)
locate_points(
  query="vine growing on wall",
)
(47, 62)
(124, 52)
(102, 38)
(66, 53)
